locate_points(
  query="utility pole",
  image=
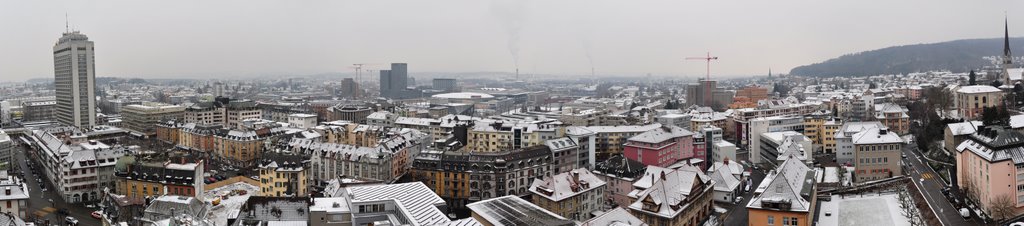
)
(707, 82)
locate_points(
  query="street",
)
(737, 213)
(931, 187)
(40, 202)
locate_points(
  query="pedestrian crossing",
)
(927, 176)
(44, 211)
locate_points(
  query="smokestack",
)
(517, 73)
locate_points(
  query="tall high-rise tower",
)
(74, 71)
(394, 82)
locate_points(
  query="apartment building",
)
(573, 195)
(970, 101)
(242, 148)
(141, 119)
(619, 173)
(845, 151)
(774, 146)
(758, 126)
(786, 196)
(821, 130)
(894, 117)
(283, 175)
(661, 146)
(989, 169)
(877, 153)
(508, 135)
(740, 119)
(956, 133)
(462, 177)
(223, 111)
(137, 179)
(674, 197)
(609, 140)
(78, 168)
(385, 161)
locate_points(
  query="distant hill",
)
(955, 56)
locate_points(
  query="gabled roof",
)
(724, 180)
(620, 166)
(790, 183)
(671, 192)
(615, 217)
(995, 144)
(661, 134)
(964, 128)
(565, 185)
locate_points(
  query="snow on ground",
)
(867, 210)
(219, 213)
(848, 176)
(831, 175)
(719, 209)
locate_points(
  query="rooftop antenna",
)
(67, 25)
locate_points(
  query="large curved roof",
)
(463, 95)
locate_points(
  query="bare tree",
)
(1002, 207)
(907, 207)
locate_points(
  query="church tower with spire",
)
(1010, 74)
(1007, 57)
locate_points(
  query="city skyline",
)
(201, 39)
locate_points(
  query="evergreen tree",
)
(973, 78)
(996, 83)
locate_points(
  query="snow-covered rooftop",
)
(978, 89)
(661, 134)
(964, 128)
(464, 95)
(789, 183)
(514, 211)
(420, 201)
(876, 136)
(615, 217)
(565, 185)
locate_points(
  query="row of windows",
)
(874, 160)
(786, 221)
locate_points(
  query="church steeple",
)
(1007, 58)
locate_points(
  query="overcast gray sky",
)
(196, 39)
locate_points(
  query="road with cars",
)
(47, 206)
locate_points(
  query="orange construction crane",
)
(707, 88)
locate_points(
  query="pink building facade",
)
(987, 171)
(661, 147)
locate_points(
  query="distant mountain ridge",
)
(956, 56)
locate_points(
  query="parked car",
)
(71, 221)
(96, 214)
(739, 199)
(964, 212)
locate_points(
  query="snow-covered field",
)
(219, 213)
(868, 210)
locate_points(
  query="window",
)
(785, 221)
(794, 222)
(771, 220)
